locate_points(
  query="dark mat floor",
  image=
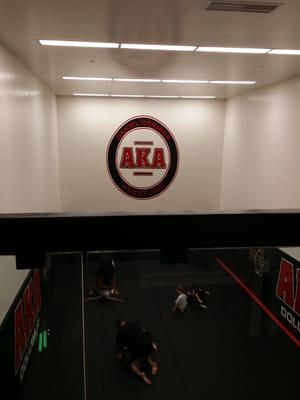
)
(215, 354)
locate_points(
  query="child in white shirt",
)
(181, 301)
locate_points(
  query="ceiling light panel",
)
(287, 52)
(85, 78)
(186, 81)
(166, 47)
(198, 97)
(91, 94)
(236, 50)
(163, 47)
(182, 81)
(162, 97)
(72, 43)
(137, 80)
(142, 96)
(233, 82)
(127, 95)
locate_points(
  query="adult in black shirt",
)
(197, 296)
(135, 345)
(105, 272)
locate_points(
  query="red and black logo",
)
(142, 157)
(26, 322)
(288, 292)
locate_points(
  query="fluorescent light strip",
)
(237, 50)
(84, 78)
(159, 80)
(136, 80)
(162, 97)
(165, 47)
(91, 94)
(72, 43)
(142, 96)
(182, 81)
(127, 95)
(285, 52)
(233, 82)
(198, 97)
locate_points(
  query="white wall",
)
(11, 281)
(29, 170)
(86, 126)
(261, 149)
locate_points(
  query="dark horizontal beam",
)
(65, 232)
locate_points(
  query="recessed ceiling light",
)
(127, 95)
(198, 97)
(136, 80)
(182, 81)
(91, 94)
(233, 82)
(237, 50)
(285, 52)
(72, 43)
(165, 47)
(84, 78)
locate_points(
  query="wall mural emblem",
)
(142, 157)
(288, 292)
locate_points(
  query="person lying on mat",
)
(135, 345)
(181, 301)
(105, 288)
(105, 276)
(106, 273)
(197, 296)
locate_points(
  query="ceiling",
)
(179, 22)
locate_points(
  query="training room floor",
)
(216, 353)
(206, 353)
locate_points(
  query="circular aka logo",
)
(142, 157)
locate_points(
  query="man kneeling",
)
(135, 346)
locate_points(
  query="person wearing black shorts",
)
(105, 286)
(135, 345)
(197, 296)
(106, 273)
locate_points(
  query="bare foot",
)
(154, 369)
(146, 379)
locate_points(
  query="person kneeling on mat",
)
(181, 301)
(135, 346)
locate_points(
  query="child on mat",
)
(181, 301)
(197, 296)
